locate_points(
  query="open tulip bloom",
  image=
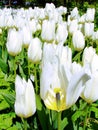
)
(61, 83)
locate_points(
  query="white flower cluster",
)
(62, 81)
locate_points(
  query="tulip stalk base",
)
(24, 123)
(59, 120)
(86, 116)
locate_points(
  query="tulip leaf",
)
(77, 114)
(6, 120)
(3, 66)
(3, 105)
(64, 123)
(95, 110)
(42, 114)
(10, 99)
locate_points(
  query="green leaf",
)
(64, 123)
(77, 114)
(43, 116)
(10, 99)
(95, 110)
(3, 105)
(6, 120)
(3, 66)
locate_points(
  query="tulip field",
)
(49, 68)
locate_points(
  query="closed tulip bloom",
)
(88, 29)
(62, 10)
(61, 33)
(75, 13)
(35, 50)
(95, 37)
(73, 26)
(25, 105)
(90, 93)
(82, 19)
(58, 84)
(48, 30)
(14, 47)
(78, 40)
(90, 14)
(26, 35)
(88, 55)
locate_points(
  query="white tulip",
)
(82, 19)
(73, 26)
(48, 30)
(74, 13)
(61, 33)
(78, 40)
(25, 105)
(95, 37)
(58, 84)
(62, 10)
(88, 29)
(26, 35)
(88, 55)
(35, 50)
(14, 47)
(90, 14)
(90, 91)
(34, 25)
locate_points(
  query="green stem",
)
(86, 116)
(25, 124)
(59, 120)
(35, 78)
(14, 65)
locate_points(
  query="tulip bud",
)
(61, 33)
(26, 35)
(78, 40)
(74, 13)
(89, 29)
(90, 14)
(48, 30)
(25, 105)
(73, 26)
(34, 50)
(14, 47)
(88, 55)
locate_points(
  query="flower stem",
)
(25, 124)
(86, 116)
(59, 120)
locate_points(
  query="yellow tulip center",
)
(55, 99)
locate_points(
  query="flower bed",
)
(48, 68)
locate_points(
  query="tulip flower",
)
(35, 50)
(95, 36)
(90, 14)
(60, 83)
(73, 26)
(26, 35)
(78, 40)
(25, 105)
(90, 91)
(88, 29)
(14, 47)
(48, 30)
(75, 13)
(61, 33)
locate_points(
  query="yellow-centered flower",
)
(55, 99)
